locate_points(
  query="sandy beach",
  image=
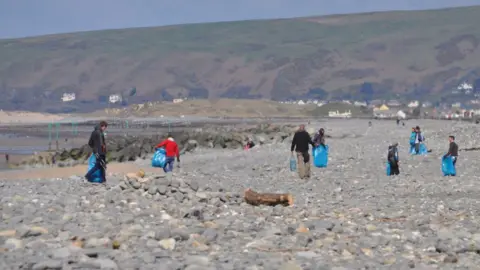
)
(55, 172)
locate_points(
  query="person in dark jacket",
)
(99, 149)
(452, 149)
(300, 143)
(393, 159)
(319, 138)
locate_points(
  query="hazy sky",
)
(20, 18)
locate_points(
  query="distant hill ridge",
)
(411, 54)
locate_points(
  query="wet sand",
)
(56, 172)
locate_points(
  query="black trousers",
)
(394, 168)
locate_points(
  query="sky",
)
(21, 18)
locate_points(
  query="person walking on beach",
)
(452, 149)
(393, 159)
(418, 139)
(99, 149)
(7, 158)
(171, 149)
(300, 143)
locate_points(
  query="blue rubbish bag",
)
(413, 135)
(293, 164)
(320, 156)
(422, 150)
(389, 170)
(448, 168)
(159, 158)
(97, 175)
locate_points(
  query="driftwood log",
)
(254, 198)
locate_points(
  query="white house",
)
(426, 104)
(394, 103)
(67, 97)
(413, 104)
(465, 87)
(321, 103)
(300, 102)
(114, 98)
(360, 104)
(177, 100)
(336, 114)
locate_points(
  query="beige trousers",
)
(303, 167)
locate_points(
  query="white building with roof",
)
(67, 97)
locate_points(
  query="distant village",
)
(395, 109)
(380, 108)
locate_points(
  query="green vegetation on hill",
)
(405, 52)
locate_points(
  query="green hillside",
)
(417, 53)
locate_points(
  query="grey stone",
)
(193, 185)
(180, 234)
(48, 264)
(60, 253)
(175, 183)
(106, 263)
(210, 234)
(319, 224)
(148, 258)
(197, 260)
(179, 197)
(162, 189)
(152, 190)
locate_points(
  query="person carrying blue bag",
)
(413, 136)
(171, 151)
(320, 150)
(96, 173)
(419, 139)
(393, 160)
(452, 154)
(300, 145)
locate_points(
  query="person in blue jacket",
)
(393, 159)
(413, 135)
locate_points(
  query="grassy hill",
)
(372, 55)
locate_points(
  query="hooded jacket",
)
(97, 141)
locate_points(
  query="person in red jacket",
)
(171, 149)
